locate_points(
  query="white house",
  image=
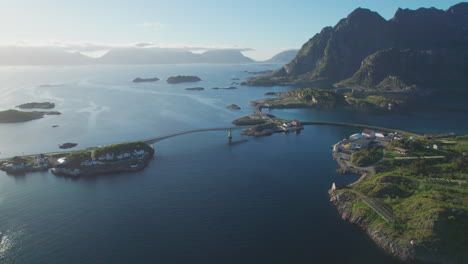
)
(88, 163)
(381, 137)
(360, 143)
(109, 156)
(138, 153)
(41, 161)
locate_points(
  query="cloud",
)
(97, 49)
(152, 25)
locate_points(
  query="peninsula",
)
(412, 197)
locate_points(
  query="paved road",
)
(424, 157)
(149, 141)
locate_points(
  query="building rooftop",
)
(361, 141)
(368, 132)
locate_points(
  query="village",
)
(361, 152)
(120, 157)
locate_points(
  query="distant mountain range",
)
(130, 55)
(170, 56)
(18, 55)
(40, 56)
(419, 48)
(283, 57)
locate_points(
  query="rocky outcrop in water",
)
(195, 89)
(140, 80)
(233, 106)
(183, 78)
(68, 145)
(44, 105)
(227, 88)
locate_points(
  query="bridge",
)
(258, 111)
(151, 141)
(388, 130)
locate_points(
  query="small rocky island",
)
(68, 145)
(121, 157)
(195, 89)
(140, 80)
(183, 78)
(233, 106)
(227, 88)
(44, 105)
(15, 116)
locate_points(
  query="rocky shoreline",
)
(389, 207)
(344, 201)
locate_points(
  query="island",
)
(44, 105)
(195, 89)
(68, 145)
(325, 98)
(123, 157)
(227, 88)
(233, 106)
(140, 80)
(411, 198)
(15, 116)
(182, 79)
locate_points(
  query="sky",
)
(265, 26)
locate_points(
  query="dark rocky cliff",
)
(410, 70)
(336, 53)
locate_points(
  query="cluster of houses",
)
(17, 164)
(291, 126)
(362, 140)
(135, 154)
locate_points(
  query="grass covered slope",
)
(367, 156)
(428, 197)
(303, 98)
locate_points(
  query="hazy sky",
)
(267, 26)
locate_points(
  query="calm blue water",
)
(200, 200)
